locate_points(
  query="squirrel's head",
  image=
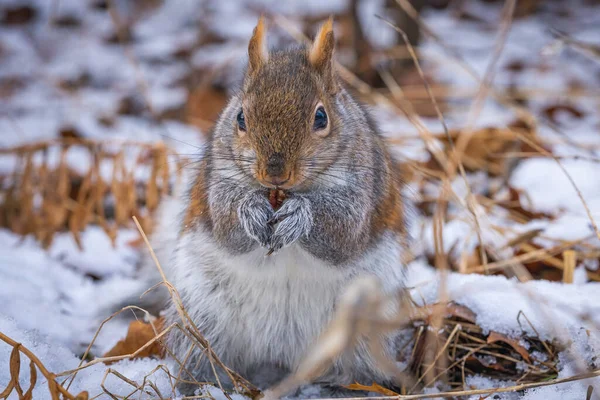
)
(288, 118)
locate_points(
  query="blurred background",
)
(493, 109)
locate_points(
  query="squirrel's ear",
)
(320, 54)
(258, 53)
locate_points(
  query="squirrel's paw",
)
(295, 220)
(254, 213)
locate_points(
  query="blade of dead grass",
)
(471, 202)
(188, 329)
(71, 199)
(589, 49)
(476, 392)
(432, 364)
(532, 256)
(570, 260)
(520, 110)
(192, 329)
(569, 177)
(488, 78)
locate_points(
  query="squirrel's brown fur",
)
(291, 127)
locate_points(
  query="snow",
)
(55, 293)
(549, 189)
(552, 308)
(57, 357)
(548, 310)
(54, 300)
(99, 259)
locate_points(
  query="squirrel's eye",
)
(320, 119)
(241, 121)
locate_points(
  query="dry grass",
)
(443, 341)
(45, 195)
(55, 389)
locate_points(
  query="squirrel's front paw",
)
(294, 220)
(254, 213)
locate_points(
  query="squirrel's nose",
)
(275, 165)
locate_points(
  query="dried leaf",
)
(152, 196)
(460, 311)
(139, 334)
(69, 132)
(70, 201)
(553, 112)
(525, 8)
(499, 337)
(481, 152)
(524, 237)
(548, 267)
(32, 380)
(450, 310)
(374, 388)
(18, 15)
(518, 211)
(475, 362)
(15, 369)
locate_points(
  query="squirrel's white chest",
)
(262, 305)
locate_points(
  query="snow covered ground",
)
(73, 75)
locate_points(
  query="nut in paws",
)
(294, 220)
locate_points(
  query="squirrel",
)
(261, 282)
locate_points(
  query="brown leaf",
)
(69, 132)
(32, 381)
(548, 268)
(524, 237)
(374, 388)
(460, 311)
(515, 205)
(15, 369)
(10, 85)
(450, 310)
(499, 337)
(525, 8)
(18, 15)
(485, 147)
(552, 112)
(138, 335)
(515, 66)
(477, 363)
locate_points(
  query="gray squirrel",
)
(262, 283)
